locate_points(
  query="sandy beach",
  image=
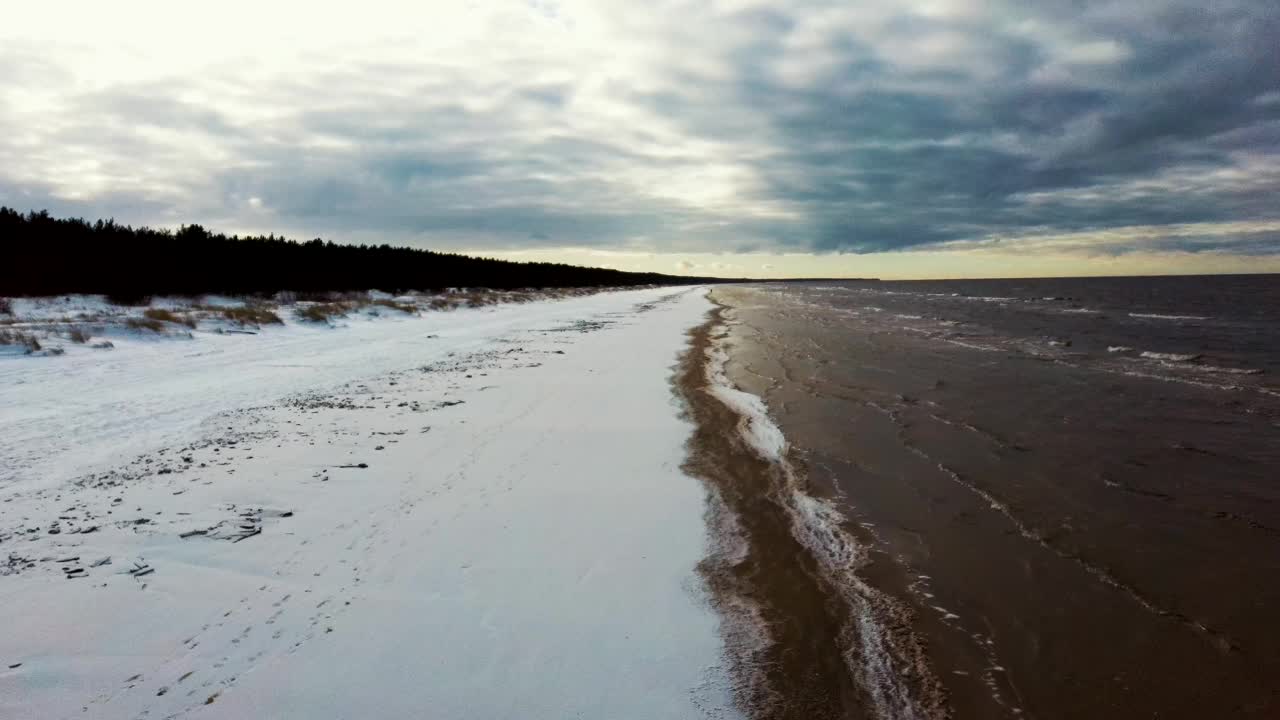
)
(470, 514)
(790, 502)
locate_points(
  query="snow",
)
(91, 408)
(521, 541)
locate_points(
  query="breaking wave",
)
(1169, 357)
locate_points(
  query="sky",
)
(940, 138)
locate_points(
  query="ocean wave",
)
(754, 424)
(1169, 357)
(1119, 348)
(1159, 316)
(1188, 373)
(973, 346)
(1181, 379)
(1229, 371)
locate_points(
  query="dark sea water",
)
(1214, 328)
(1068, 490)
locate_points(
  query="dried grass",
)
(144, 324)
(252, 315)
(170, 317)
(402, 307)
(322, 312)
(15, 337)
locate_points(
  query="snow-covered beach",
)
(474, 514)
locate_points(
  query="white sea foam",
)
(973, 346)
(1229, 371)
(1159, 316)
(1169, 357)
(1187, 381)
(754, 423)
(819, 526)
(1119, 348)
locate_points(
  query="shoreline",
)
(807, 636)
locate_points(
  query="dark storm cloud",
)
(1263, 243)
(890, 168)
(813, 126)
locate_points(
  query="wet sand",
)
(1058, 541)
(805, 637)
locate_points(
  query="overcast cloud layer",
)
(730, 127)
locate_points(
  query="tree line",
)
(45, 255)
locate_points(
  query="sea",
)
(1049, 498)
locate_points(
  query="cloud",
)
(1242, 238)
(722, 127)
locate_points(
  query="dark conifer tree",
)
(44, 255)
